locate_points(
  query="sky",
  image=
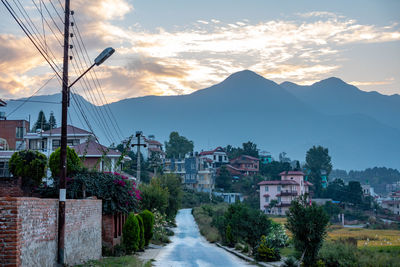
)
(177, 47)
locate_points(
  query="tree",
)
(141, 232)
(148, 223)
(73, 162)
(41, 122)
(29, 165)
(154, 196)
(178, 146)
(173, 184)
(250, 149)
(274, 168)
(224, 179)
(308, 224)
(318, 160)
(52, 121)
(355, 192)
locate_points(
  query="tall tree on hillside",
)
(52, 121)
(250, 149)
(273, 169)
(178, 146)
(355, 192)
(224, 179)
(41, 122)
(318, 160)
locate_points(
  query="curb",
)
(247, 258)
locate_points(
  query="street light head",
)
(104, 55)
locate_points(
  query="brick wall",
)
(9, 131)
(28, 231)
(112, 228)
(10, 187)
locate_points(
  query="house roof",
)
(156, 149)
(153, 142)
(2, 103)
(70, 130)
(279, 182)
(93, 149)
(244, 158)
(307, 183)
(218, 149)
(293, 173)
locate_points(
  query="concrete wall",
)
(28, 231)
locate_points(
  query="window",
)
(220, 158)
(266, 188)
(56, 144)
(224, 157)
(4, 172)
(279, 199)
(267, 199)
(279, 188)
(279, 210)
(215, 157)
(20, 131)
(73, 142)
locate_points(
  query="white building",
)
(218, 156)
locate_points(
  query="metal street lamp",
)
(97, 62)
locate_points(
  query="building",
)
(5, 157)
(265, 157)
(217, 156)
(153, 147)
(48, 141)
(12, 134)
(205, 175)
(392, 205)
(246, 165)
(290, 187)
(98, 157)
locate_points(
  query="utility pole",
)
(138, 135)
(63, 154)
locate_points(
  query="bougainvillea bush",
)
(119, 194)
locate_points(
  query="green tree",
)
(154, 196)
(52, 121)
(172, 183)
(141, 232)
(73, 162)
(178, 146)
(41, 122)
(274, 168)
(148, 223)
(318, 160)
(308, 224)
(131, 233)
(224, 179)
(354, 192)
(250, 149)
(29, 165)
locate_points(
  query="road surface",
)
(188, 248)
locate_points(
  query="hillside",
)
(246, 106)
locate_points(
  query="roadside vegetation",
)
(124, 261)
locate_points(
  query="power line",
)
(28, 99)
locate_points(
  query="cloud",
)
(372, 83)
(186, 59)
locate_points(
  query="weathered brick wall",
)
(10, 187)
(28, 231)
(83, 230)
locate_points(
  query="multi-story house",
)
(245, 164)
(205, 175)
(217, 156)
(290, 187)
(12, 134)
(48, 141)
(153, 148)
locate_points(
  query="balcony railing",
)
(288, 193)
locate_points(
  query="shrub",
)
(173, 184)
(148, 224)
(338, 254)
(154, 196)
(141, 232)
(229, 237)
(266, 253)
(245, 249)
(131, 234)
(29, 165)
(277, 237)
(73, 162)
(159, 232)
(290, 262)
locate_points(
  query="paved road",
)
(188, 248)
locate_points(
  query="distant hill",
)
(285, 117)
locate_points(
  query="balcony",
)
(288, 193)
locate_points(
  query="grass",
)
(203, 218)
(128, 261)
(364, 237)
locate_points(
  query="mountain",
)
(334, 96)
(246, 106)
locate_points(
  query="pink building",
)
(291, 186)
